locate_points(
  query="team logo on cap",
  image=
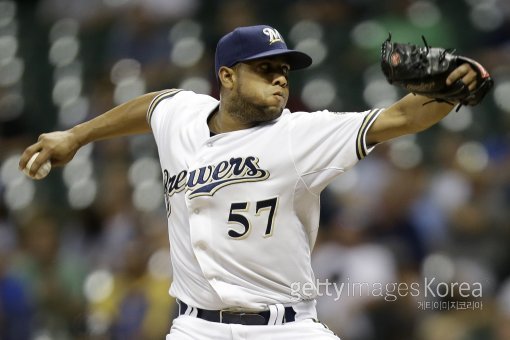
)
(274, 35)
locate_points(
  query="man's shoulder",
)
(321, 113)
(301, 115)
(321, 118)
(183, 102)
(194, 105)
(193, 98)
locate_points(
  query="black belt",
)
(242, 318)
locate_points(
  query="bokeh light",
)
(405, 153)
(458, 121)
(128, 88)
(64, 51)
(67, 90)
(345, 182)
(144, 169)
(185, 29)
(64, 28)
(187, 52)
(159, 264)
(319, 93)
(11, 71)
(148, 196)
(424, 14)
(196, 84)
(98, 285)
(502, 95)
(368, 34)
(81, 194)
(439, 266)
(7, 12)
(125, 68)
(486, 16)
(9, 171)
(379, 93)
(306, 29)
(73, 112)
(472, 157)
(315, 48)
(80, 168)
(8, 47)
(19, 193)
(450, 190)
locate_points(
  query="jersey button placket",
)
(202, 155)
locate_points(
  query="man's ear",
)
(226, 76)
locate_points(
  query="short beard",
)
(249, 113)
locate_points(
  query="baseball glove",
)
(423, 70)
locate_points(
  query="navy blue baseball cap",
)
(255, 42)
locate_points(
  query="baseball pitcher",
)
(242, 175)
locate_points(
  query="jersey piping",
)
(162, 96)
(361, 147)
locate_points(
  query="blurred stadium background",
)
(83, 253)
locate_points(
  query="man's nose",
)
(280, 80)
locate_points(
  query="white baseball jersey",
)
(243, 206)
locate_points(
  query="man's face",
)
(261, 90)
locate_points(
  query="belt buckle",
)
(242, 318)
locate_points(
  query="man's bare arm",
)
(60, 146)
(415, 113)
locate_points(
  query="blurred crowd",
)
(84, 252)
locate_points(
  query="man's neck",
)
(220, 121)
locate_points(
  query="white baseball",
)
(43, 171)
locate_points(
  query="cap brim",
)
(297, 60)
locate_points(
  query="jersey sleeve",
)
(161, 114)
(158, 100)
(325, 144)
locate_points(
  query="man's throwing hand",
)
(57, 147)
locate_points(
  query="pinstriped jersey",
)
(243, 206)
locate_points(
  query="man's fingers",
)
(27, 154)
(42, 157)
(458, 73)
(470, 80)
(39, 161)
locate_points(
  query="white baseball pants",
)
(187, 327)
